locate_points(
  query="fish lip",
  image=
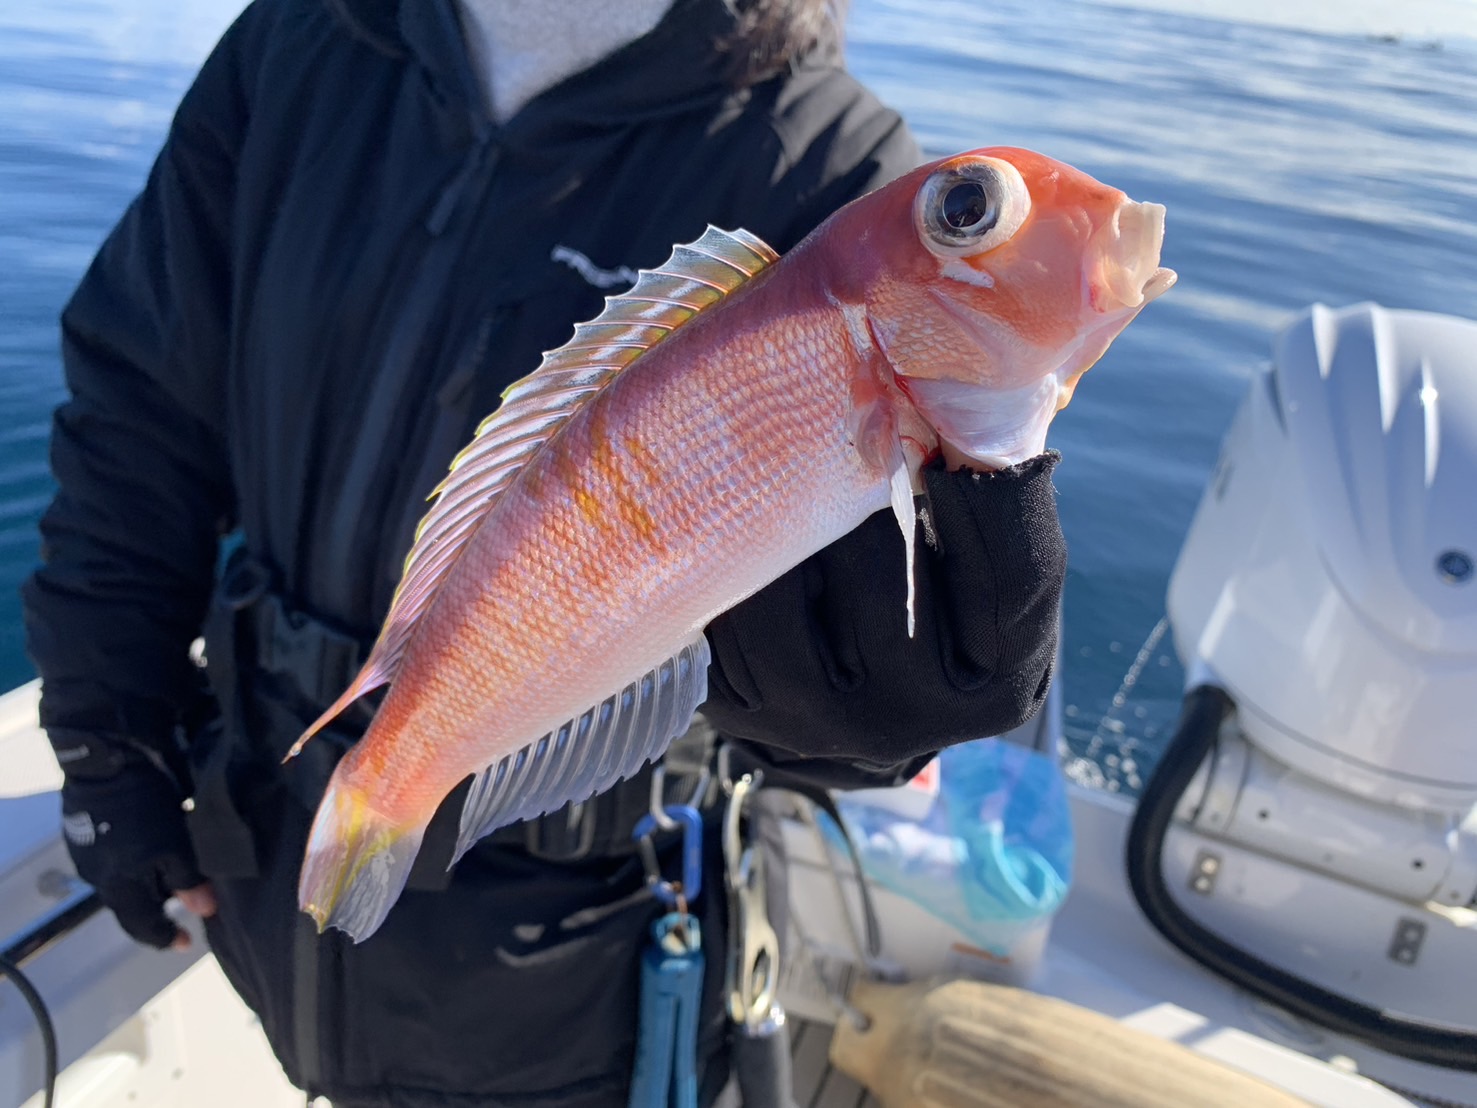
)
(1161, 282)
(1127, 252)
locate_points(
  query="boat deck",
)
(817, 1085)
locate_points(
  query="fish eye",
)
(971, 207)
(967, 209)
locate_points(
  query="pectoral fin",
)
(907, 520)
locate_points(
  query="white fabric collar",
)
(522, 47)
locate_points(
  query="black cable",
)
(1206, 709)
(80, 905)
(43, 1021)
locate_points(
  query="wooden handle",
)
(966, 1044)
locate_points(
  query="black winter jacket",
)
(336, 266)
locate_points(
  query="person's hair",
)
(771, 35)
(768, 36)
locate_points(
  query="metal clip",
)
(681, 892)
(752, 970)
(659, 795)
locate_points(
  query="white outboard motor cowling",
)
(1326, 598)
(1329, 580)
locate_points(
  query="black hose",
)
(43, 1022)
(71, 913)
(1206, 709)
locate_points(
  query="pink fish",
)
(729, 416)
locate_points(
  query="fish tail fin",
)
(356, 863)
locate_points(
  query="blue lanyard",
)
(671, 988)
(671, 974)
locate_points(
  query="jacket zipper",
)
(426, 290)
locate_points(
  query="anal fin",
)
(591, 752)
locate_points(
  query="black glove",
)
(125, 831)
(819, 663)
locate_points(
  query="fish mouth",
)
(1128, 269)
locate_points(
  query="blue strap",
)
(671, 991)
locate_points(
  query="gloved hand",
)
(819, 664)
(125, 831)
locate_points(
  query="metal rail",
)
(69, 913)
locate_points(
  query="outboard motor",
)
(1311, 832)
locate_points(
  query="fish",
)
(731, 414)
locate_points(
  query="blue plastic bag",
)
(993, 848)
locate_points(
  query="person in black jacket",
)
(368, 218)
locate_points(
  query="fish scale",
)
(728, 417)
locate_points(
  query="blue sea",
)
(1326, 152)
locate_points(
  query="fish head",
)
(998, 277)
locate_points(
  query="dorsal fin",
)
(533, 409)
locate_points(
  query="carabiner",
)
(752, 970)
(691, 882)
(659, 795)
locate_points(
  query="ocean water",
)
(1306, 151)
